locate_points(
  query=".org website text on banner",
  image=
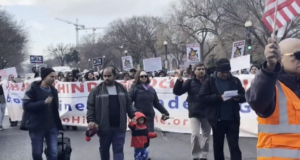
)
(73, 99)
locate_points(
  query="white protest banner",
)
(193, 53)
(152, 64)
(240, 63)
(238, 48)
(127, 62)
(4, 73)
(73, 99)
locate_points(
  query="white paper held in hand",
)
(229, 94)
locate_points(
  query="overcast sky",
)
(39, 17)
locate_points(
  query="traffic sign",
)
(36, 59)
(97, 61)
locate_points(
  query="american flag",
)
(286, 11)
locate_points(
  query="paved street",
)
(15, 145)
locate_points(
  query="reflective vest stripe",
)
(282, 128)
(264, 128)
(277, 152)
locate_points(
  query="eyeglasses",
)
(143, 76)
(296, 54)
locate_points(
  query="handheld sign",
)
(97, 61)
(36, 59)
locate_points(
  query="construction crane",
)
(81, 27)
(77, 28)
(94, 31)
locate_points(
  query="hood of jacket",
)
(140, 115)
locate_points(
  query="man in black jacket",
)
(41, 116)
(222, 114)
(196, 111)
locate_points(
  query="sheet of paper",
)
(231, 93)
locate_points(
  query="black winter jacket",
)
(211, 97)
(35, 108)
(144, 101)
(192, 87)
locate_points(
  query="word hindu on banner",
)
(73, 100)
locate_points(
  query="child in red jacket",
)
(140, 136)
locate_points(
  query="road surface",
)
(15, 145)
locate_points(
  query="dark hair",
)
(132, 70)
(254, 65)
(137, 77)
(86, 75)
(195, 67)
(113, 71)
(124, 74)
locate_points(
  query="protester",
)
(108, 105)
(70, 78)
(274, 95)
(126, 76)
(89, 76)
(132, 73)
(254, 69)
(145, 98)
(185, 74)
(140, 136)
(196, 111)
(223, 113)
(2, 105)
(41, 105)
(11, 78)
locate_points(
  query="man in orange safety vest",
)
(274, 95)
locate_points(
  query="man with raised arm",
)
(274, 95)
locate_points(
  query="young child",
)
(140, 136)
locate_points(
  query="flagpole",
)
(275, 19)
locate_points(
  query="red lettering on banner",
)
(91, 85)
(15, 87)
(79, 88)
(61, 88)
(184, 121)
(153, 82)
(83, 119)
(172, 83)
(245, 83)
(75, 119)
(23, 87)
(66, 120)
(67, 87)
(176, 121)
(161, 83)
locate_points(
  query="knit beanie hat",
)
(45, 72)
(223, 65)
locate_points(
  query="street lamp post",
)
(89, 63)
(249, 28)
(125, 52)
(166, 50)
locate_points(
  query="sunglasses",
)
(143, 76)
(296, 54)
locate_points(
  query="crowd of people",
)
(273, 95)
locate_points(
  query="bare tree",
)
(137, 34)
(13, 41)
(60, 52)
(198, 21)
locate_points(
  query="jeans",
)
(37, 141)
(231, 129)
(141, 154)
(200, 149)
(2, 112)
(117, 139)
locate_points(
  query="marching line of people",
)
(273, 95)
